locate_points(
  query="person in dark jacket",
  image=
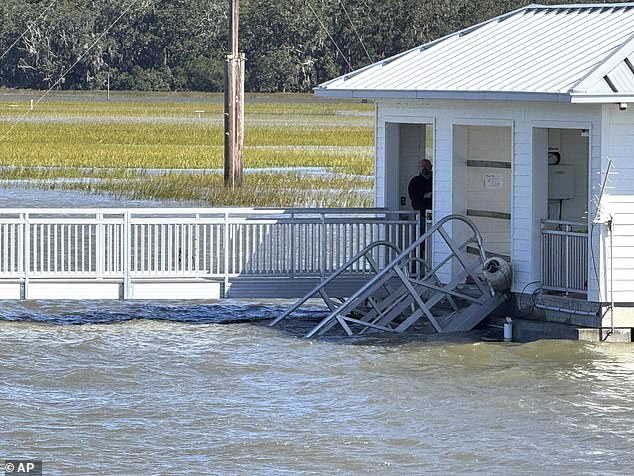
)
(420, 189)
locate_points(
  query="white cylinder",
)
(508, 330)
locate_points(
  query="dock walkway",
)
(187, 253)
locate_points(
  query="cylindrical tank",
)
(498, 273)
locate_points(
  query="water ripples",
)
(126, 388)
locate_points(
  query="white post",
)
(196, 250)
(611, 237)
(100, 246)
(322, 235)
(226, 250)
(292, 228)
(26, 243)
(127, 247)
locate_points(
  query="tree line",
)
(171, 45)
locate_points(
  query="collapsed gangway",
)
(454, 288)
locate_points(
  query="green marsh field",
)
(300, 151)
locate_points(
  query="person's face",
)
(425, 168)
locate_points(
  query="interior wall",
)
(572, 145)
(412, 148)
(487, 197)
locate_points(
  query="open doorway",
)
(560, 203)
(415, 145)
(406, 144)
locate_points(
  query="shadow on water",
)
(66, 313)
(94, 312)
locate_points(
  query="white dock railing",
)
(220, 243)
(564, 256)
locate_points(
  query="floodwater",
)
(113, 388)
(14, 196)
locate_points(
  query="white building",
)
(522, 116)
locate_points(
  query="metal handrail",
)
(364, 253)
(339, 313)
(220, 243)
(564, 256)
(352, 302)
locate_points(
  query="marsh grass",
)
(80, 137)
(63, 173)
(14, 104)
(275, 190)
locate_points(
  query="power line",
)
(68, 70)
(28, 28)
(356, 32)
(330, 36)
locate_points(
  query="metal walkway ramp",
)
(451, 294)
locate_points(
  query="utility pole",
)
(234, 102)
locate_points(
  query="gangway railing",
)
(367, 254)
(192, 243)
(402, 292)
(564, 256)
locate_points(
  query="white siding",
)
(619, 147)
(523, 117)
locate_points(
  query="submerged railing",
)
(564, 256)
(212, 243)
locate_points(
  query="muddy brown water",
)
(114, 388)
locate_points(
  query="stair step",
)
(468, 317)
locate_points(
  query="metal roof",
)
(569, 53)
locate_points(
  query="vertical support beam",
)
(127, 250)
(196, 249)
(538, 208)
(322, 238)
(292, 226)
(100, 242)
(226, 253)
(234, 103)
(26, 253)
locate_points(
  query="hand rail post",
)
(293, 252)
(99, 246)
(226, 252)
(322, 236)
(127, 258)
(196, 238)
(26, 253)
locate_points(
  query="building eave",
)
(608, 98)
(378, 94)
